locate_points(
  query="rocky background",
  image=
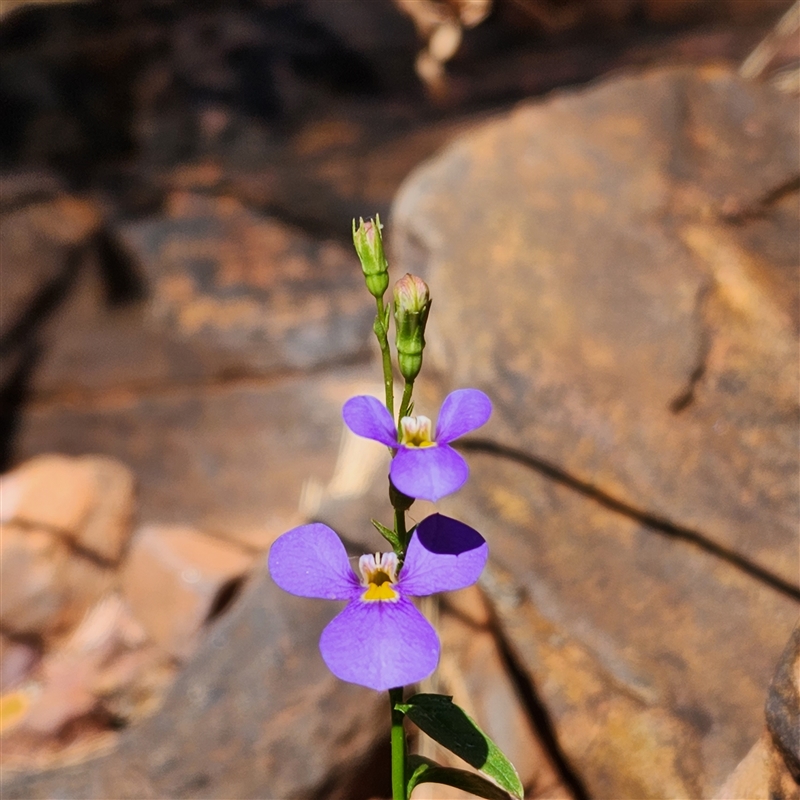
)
(603, 196)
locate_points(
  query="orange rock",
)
(52, 491)
(31, 597)
(108, 526)
(173, 577)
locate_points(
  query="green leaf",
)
(444, 721)
(387, 534)
(423, 770)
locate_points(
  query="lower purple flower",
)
(379, 640)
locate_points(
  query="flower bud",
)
(412, 301)
(369, 246)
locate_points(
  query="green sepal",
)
(423, 770)
(387, 534)
(444, 721)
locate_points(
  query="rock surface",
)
(174, 578)
(620, 275)
(258, 670)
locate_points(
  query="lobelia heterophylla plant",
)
(380, 640)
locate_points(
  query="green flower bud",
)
(412, 301)
(369, 246)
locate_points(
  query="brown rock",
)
(472, 670)
(255, 713)
(232, 458)
(631, 294)
(761, 775)
(107, 528)
(172, 579)
(53, 492)
(32, 598)
(783, 706)
(229, 292)
(36, 241)
(17, 659)
(624, 633)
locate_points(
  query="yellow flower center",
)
(416, 432)
(379, 573)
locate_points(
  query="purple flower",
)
(379, 640)
(424, 467)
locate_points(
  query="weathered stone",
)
(107, 528)
(36, 241)
(31, 596)
(783, 705)
(255, 713)
(52, 491)
(46, 589)
(173, 577)
(761, 775)
(472, 670)
(620, 274)
(232, 458)
(625, 634)
(17, 659)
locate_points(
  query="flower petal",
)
(368, 417)
(443, 555)
(382, 644)
(462, 412)
(310, 561)
(428, 473)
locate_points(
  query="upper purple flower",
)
(424, 467)
(379, 640)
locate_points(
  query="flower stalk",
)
(398, 746)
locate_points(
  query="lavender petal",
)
(368, 417)
(380, 644)
(443, 555)
(462, 411)
(428, 473)
(310, 561)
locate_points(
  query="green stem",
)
(400, 529)
(406, 402)
(383, 340)
(398, 747)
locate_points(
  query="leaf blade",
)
(452, 727)
(423, 770)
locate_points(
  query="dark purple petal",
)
(310, 561)
(443, 555)
(380, 644)
(462, 412)
(369, 418)
(428, 473)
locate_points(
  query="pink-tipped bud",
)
(412, 301)
(369, 246)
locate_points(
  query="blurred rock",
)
(232, 458)
(255, 713)
(38, 242)
(174, 577)
(51, 491)
(31, 599)
(17, 659)
(89, 500)
(106, 531)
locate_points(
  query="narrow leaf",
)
(449, 725)
(423, 770)
(387, 534)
